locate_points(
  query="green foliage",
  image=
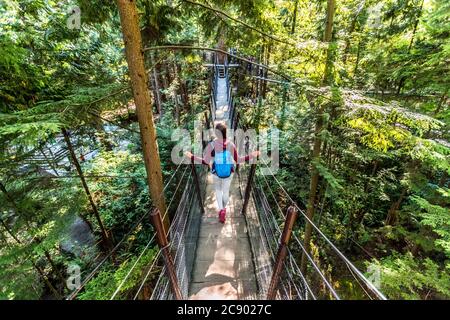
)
(124, 199)
(437, 218)
(384, 141)
(324, 172)
(104, 285)
(404, 277)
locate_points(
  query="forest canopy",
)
(359, 90)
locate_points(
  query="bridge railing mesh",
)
(183, 237)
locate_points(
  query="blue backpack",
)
(223, 164)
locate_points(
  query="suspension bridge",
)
(255, 253)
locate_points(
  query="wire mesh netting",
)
(183, 236)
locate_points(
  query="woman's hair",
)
(221, 130)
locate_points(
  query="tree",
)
(106, 239)
(312, 188)
(327, 37)
(135, 58)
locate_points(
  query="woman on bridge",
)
(221, 156)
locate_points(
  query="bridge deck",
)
(223, 266)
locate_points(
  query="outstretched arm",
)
(241, 159)
(199, 160)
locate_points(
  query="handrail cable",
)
(132, 268)
(290, 253)
(338, 252)
(147, 274)
(92, 273)
(330, 287)
(147, 246)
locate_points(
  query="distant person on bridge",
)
(221, 156)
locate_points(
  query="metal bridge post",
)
(207, 120)
(163, 243)
(291, 217)
(197, 186)
(248, 189)
(231, 112)
(236, 120)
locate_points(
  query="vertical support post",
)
(213, 108)
(203, 140)
(163, 243)
(207, 119)
(231, 115)
(248, 188)
(236, 120)
(291, 217)
(197, 186)
(129, 20)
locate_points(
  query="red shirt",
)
(219, 146)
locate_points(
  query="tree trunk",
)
(182, 86)
(47, 282)
(416, 23)
(443, 179)
(134, 55)
(75, 162)
(167, 73)
(358, 55)
(440, 104)
(175, 94)
(331, 8)
(266, 72)
(9, 198)
(164, 77)
(55, 268)
(312, 191)
(9, 231)
(392, 216)
(161, 80)
(282, 120)
(294, 17)
(350, 31)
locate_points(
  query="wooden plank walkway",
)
(223, 266)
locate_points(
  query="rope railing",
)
(94, 271)
(161, 289)
(275, 233)
(149, 242)
(349, 264)
(154, 263)
(180, 231)
(292, 259)
(132, 268)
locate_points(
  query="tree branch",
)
(239, 21)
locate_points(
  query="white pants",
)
(222, 187)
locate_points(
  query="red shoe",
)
(222, 214)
